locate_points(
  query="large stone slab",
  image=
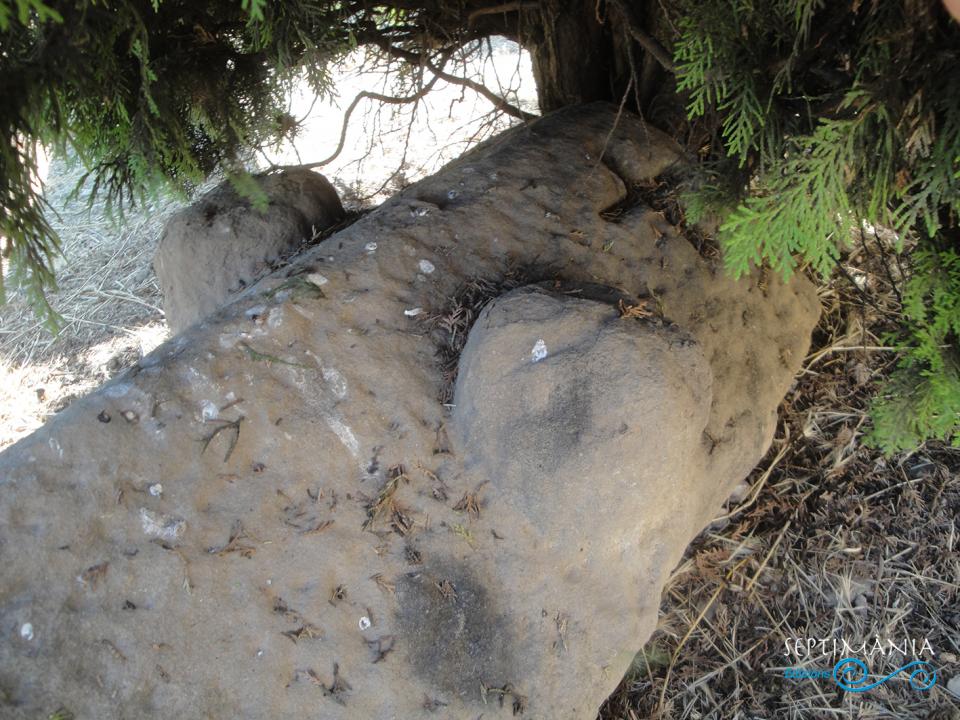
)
(274, 514)
(212, 250)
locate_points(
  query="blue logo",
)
(852, 675)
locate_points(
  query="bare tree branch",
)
(421, 60)
(507, 7)
(644, 39)
(366, 95)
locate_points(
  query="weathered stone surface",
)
(587, 428)
(218, 246)
(563, 404)
(288, 568)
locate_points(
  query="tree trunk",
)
(582, 52)
(572, 58)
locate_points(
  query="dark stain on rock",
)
(550, 435)
(455, 635)
(566, 289)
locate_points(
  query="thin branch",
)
(366, 95)
(865, 298)
(883, 261)
(403, 158)
(500, 90)
(421, 60)
(644, 39)
(503, 8)
(613, 129)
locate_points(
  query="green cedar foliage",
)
(826, 114)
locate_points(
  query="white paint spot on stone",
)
(364, 623)
(302, 311)
(157, 428)
(26, 631)
(345, 434)
(413, 312)
(539, 351)
(317, 279)
(337, 382)
(156, 489)
(275, 317)
(161, 526)
(55, 446)
(426, 267)
(208, 410)
(117, 391)
(370, 247)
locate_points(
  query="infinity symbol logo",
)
(851, 674)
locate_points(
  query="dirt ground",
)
(827, 539)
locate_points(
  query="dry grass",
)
(827, 539)
(109, 300)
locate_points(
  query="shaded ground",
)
(108, 298)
